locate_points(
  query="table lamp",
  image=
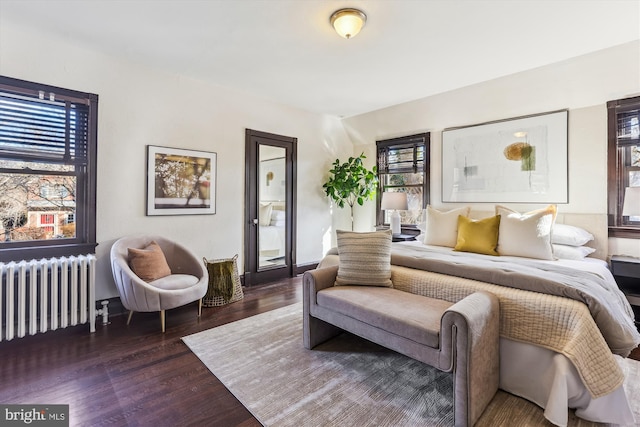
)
(631, 205)
(394, 201)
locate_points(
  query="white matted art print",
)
(520, 160)
(180, 182)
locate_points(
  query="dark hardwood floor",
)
(135, 375)
(635, 354)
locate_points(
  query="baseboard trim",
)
(301, 268)
(298, 269)
(116, 308)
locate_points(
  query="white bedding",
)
(271, 240)
(549, 379)
(592, 265)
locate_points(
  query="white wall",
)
(583, 85)
(140, 106)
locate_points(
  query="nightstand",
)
(626, 271)
(402, 237)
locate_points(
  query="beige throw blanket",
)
(607, 304)
(549, 321)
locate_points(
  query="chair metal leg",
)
(162, 319)
(130, 315)
(200, 307)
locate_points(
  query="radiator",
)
(47, 294)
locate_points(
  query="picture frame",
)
(517, 160)
(180, 181)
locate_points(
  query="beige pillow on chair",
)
(149, 263)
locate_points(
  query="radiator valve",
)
(104, 311)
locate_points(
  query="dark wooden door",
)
(270, 207)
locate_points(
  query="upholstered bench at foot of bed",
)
(462, 338)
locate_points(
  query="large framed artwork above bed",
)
(520, 160)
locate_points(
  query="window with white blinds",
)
(39, 129)
(47, 170)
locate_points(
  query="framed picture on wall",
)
(520, 160)
(180, 182)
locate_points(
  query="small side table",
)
(626, 271)
(402, 237)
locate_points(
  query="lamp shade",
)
(394, 200)
(631, 206)
(348, 22)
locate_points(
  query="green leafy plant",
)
(350, 183)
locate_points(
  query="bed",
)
(271, 232)
(559, 351)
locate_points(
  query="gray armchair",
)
(188, 281)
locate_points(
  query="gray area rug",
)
(347, 381)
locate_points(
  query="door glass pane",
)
(272, 207)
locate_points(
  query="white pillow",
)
(526, 235)
(278, 218)
(264, 214)
(277, 215)
(442, 227)
(563, 234)
(572, 252)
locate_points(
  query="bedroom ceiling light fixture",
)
(394, 201)
(348, 22)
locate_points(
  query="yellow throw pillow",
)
(479, 236)
(149, 263)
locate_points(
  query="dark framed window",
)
(403, 165)
(48, 149)
(623, 163)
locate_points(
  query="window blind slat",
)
(33, 117)
(42, 130)
(405, 157)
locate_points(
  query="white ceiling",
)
(286, 50)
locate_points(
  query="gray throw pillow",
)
(365, 258)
